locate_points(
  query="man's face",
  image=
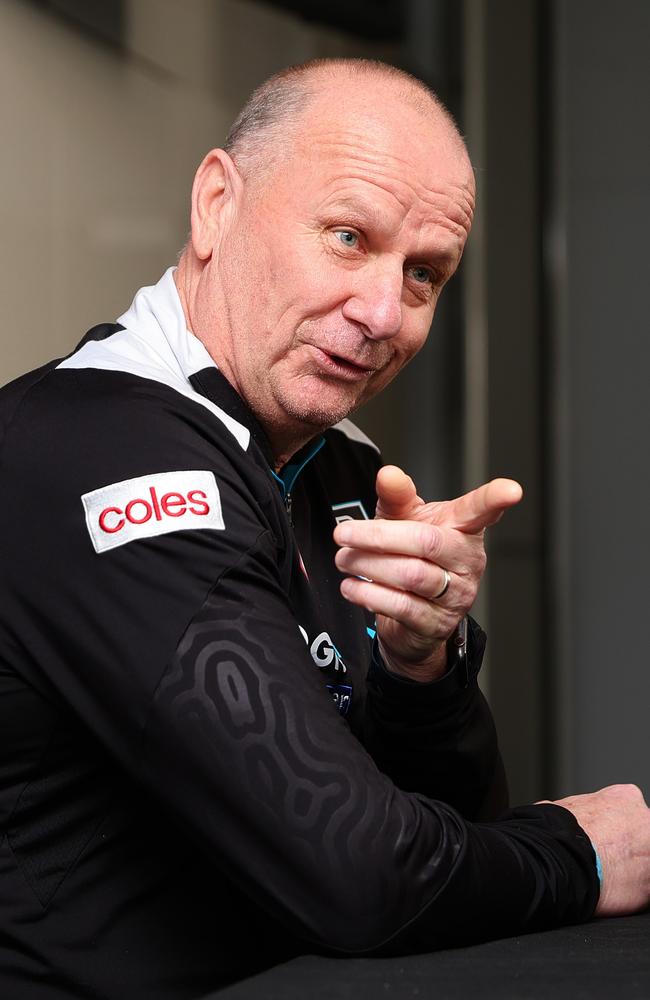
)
(330, 269)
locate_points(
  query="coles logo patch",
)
(152, 505)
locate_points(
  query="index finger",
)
(484, 506)
(405, 538)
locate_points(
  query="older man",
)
(217, 749)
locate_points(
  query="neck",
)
(285, 442)
(284, 454)
(186, 281)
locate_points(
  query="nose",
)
(376, 302)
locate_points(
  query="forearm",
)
(438, 738)
(274, 788)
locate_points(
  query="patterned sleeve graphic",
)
(248, 749)
(298, 813)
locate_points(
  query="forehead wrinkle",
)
(359, 147)
(458, 198)
(358, 210)
(448, 216)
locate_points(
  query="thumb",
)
(397, 496)
(484, 506)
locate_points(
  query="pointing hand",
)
(422, 564)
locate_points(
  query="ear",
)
(215, 195)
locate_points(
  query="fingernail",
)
(342, 534)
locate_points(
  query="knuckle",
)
(342, 558)
(469, 592)
(474, 562)
(634, 792)
(415, 575)
(463, 593)
(431, 541)
(402, 605)
(467, 605)
(625, 790)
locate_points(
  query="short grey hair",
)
(273, 112)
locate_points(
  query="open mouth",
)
(338, 360)
(335, 364)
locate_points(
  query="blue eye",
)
(347, 237)
(422, 275)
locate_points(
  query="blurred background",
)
(536, 367)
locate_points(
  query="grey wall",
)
(99, 147)
(99, 144)
(598, 254)
(503, 371)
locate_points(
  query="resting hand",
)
(617, 821)
(403, 554)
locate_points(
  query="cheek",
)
(316, 282)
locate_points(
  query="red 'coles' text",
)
(139, 510)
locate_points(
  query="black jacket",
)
(202, 768)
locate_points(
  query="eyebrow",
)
(355, 211)
(360, 213)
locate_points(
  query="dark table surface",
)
(602, 960)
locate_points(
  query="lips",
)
(340, 367)
(342, 360)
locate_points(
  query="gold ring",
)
(445, 586)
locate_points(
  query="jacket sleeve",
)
(245, 747)
(182, 655)
(439, 738)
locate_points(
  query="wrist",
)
(423, 672)
(449, 656)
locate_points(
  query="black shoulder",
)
(87, 437)
(89, 423)
(349, 464)
(12, 394)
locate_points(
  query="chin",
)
(319, 414)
